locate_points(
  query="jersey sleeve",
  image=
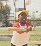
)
(16, 24)
(29, 24)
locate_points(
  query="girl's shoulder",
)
(16, 24)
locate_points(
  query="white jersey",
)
(20, 39)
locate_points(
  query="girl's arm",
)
(19, 30)
(15, 29)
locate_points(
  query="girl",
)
(22, 27)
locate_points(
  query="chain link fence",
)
(7, 21)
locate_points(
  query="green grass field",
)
(4, 43)
(5, 32)
(7, 43)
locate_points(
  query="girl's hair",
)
(17, 21)
(19, 15)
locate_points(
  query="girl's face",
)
(22, 18)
